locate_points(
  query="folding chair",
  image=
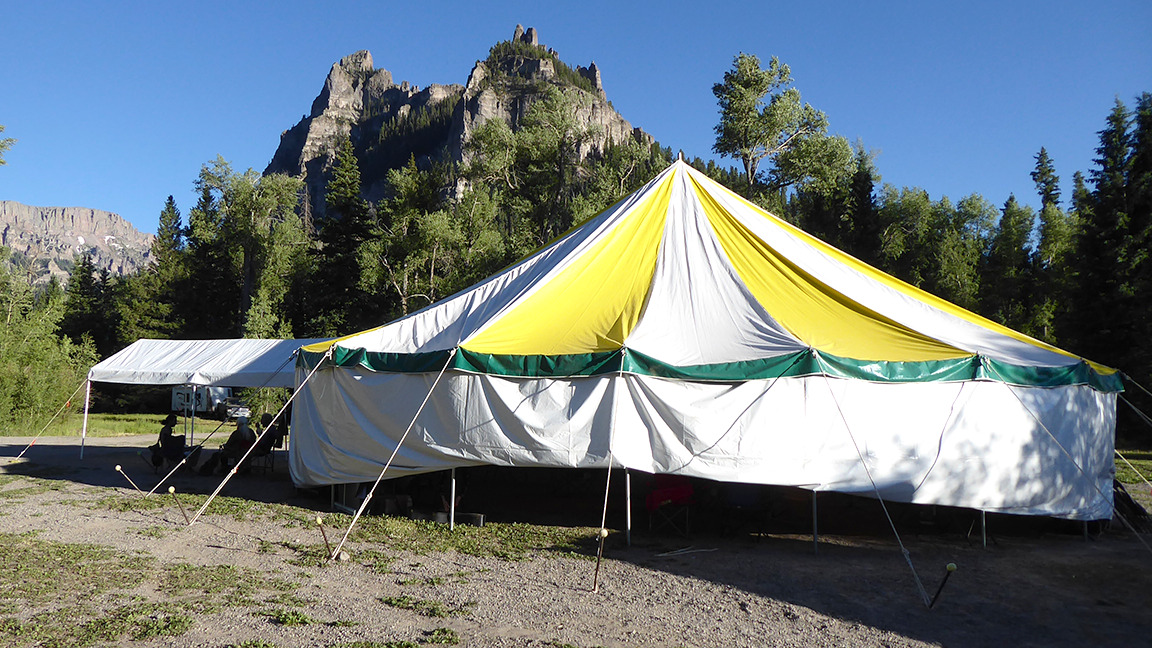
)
(668, 504)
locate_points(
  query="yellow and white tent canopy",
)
(684, 330)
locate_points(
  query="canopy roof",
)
(686, 279)
(232, 363)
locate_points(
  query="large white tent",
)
(686, 331)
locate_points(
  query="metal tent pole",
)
(628, 507)
(452, 503)
(815, 532)
(984, 528)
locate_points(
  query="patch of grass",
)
(101, 425)
(153, 532)
(289, 599)
(13, 495)
(290, 618)
(253, 643)
(342, 623)
(428, 580)
(208, 588)
(505, 541)
(423, 607)
(315, 555)
(138, 621)
(377, 561)
(401, 643)
(237, 508)
(39, 571)
(445, 636)
(1141, 459)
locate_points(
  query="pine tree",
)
(1006, 270)
(207, 292)
(1139, 210)
(1047, 182)
(1104, 292)
(335, 299)
(89, 311)
(864, 242)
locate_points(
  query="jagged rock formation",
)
(358, 101)
(51, 237)
(391, 123)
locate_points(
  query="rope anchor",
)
(948, 569)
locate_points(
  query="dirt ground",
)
(1045, 585)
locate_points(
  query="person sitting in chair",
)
(170, 446)
(238, 443)
(233, 449)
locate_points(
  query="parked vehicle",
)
(206, 400)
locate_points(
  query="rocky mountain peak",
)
(390, 123)
(51, 237)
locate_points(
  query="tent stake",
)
(452, 504)
(815, 532)
(84, 429)
(628, 507)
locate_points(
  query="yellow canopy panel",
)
(809, 309)
(594, 303)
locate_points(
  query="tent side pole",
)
(628, 507)
(195, 402)
(815, 531)
(984, 528)
(452, 503)
(84, 429)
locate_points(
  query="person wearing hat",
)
(171, 445)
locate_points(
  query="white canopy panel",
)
(232, 363)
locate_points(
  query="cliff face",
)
(51, 237)
(356, 101)
(507, 84)
(390, 123)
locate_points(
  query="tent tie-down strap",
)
(66, 403)
(903, 550)
(368, 497)
(1075, 463)
(270, 426)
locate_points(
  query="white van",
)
(202, 399)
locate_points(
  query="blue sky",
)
(116, 105)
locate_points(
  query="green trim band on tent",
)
(800, 363)
(540, 366)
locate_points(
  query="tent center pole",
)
(452, 503)
(628, 507)
(815, 532)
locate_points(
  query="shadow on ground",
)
(1038, 582)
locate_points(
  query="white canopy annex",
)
(230, 363)
(684, 330)
(225, 363)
